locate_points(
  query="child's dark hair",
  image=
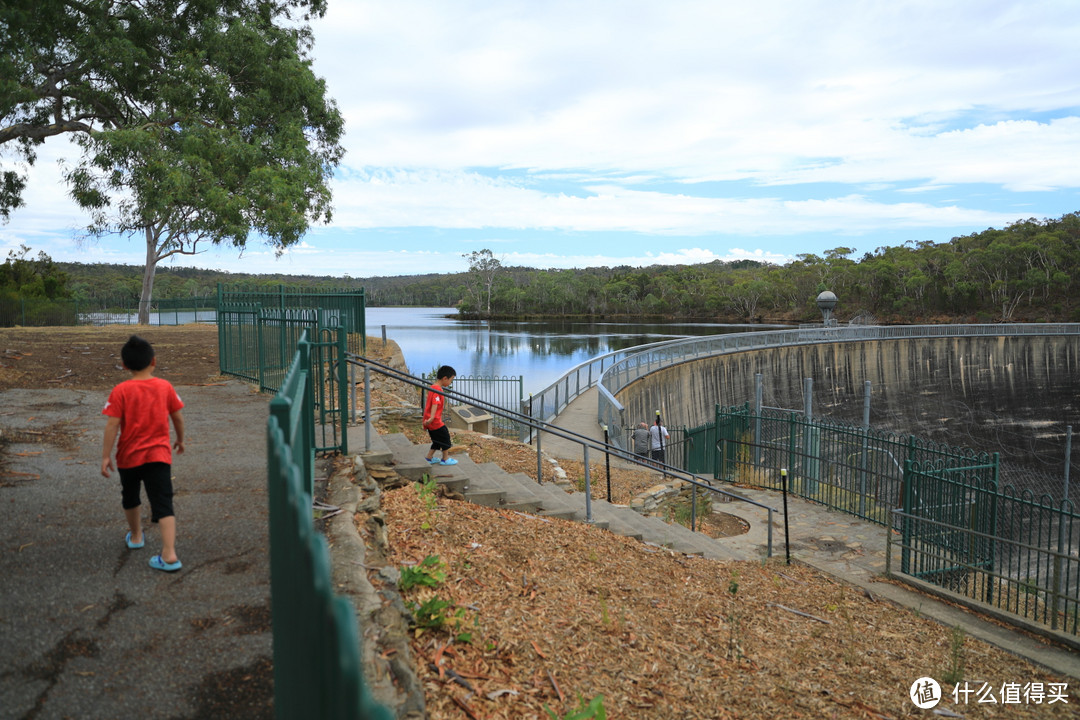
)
(136, 353)
(445, 372)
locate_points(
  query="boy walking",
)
(433, 422)
(139, 410)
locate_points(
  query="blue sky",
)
(578, 133)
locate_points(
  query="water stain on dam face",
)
(1013, 395)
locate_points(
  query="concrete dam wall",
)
(1013, 395)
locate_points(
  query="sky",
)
(586, 133)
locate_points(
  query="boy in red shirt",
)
(433, 423)
(139, 411)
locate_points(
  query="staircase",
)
(490, 485)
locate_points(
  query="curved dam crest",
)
(1013, 395)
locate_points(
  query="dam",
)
(955, 437)
(1013, 393)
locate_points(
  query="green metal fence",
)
(856, 469)
(317, 670)
(340, 307)
(255, 344)
(959, 528)
(506, 392)
(120, 310)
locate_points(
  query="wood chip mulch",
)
(559, 612)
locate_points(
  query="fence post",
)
(607, 462)
(791, 441)
(758, 391)
(1061, 532)
(352, 394)
(308, 415)
(908, 507)
(993, 525)
(539, 428)
(259, 353)
(865, 448)
(367, 407)
(343, 394)
(588, 486)
(693, 507)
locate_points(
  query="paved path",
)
(834, 542)
(580, 416)
(87, 629)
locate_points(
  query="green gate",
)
(732, 429)
(255, 343)
(950, 516)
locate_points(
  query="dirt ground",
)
(88, 357)
(551, 614)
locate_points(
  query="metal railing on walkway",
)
(317, 670)
(636, 365)
(538, 428)
(546, 404)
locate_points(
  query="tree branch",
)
(38, 132)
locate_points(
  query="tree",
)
(483, 267)
(199, 120)
(21, 276)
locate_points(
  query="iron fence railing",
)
(539, 428)
(317, 669)
(546, 404)
(340, 307)
(505, 392)
(120, 310)
(848, 467)
(256, 343)
(1049, 598)
(638, 362)
(963, 530)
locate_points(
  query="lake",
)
(538, 350)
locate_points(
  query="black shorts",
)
(658, 455)
(157, 477)
(440, 438)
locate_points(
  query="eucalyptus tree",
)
(483, 268)
(199, 121)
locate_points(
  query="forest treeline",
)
(1027, 271)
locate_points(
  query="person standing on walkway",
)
(658, 440)
(433, 422)
(641, 440)
(139, 411)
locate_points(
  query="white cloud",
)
(691, 125)
(471, 200)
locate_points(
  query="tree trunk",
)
(148, 277)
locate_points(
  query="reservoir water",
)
(539, 351)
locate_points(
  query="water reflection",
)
(540, 351)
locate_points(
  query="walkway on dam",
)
(834, 542)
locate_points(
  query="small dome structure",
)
(826, 301)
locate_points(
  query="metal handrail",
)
(674, 352)
(539, 426)
(550, 402)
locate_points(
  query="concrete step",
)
(488, 484)
(377, 454)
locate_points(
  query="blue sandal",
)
(134, 546)
(158, 564)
